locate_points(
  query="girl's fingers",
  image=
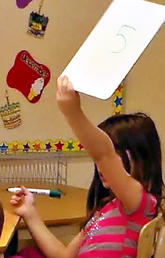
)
(64, 85)
(64, 88)
(24, 190)
(19, 193)
(70, 86)
(60, 81)
(16, 198)
(13, 202)
(65, 81)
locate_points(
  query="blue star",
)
(118, 101)
(3, 148)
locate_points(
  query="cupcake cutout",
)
(10, 113)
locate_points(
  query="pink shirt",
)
(113, 233)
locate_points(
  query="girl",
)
(125, 191)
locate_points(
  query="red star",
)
(59, 146)
(117, 113)
(120, 87)
(80, 146)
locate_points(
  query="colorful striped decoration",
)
(118, 100)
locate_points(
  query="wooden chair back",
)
(8, 230)
(1, 218)
(152, 239)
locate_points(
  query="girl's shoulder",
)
(146, 207)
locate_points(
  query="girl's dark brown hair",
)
(1, 218)
(137, 134)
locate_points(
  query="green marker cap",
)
(55, 193)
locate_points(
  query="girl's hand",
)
(67, 98)
(23, 203)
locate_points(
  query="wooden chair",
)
(8, 234)
(1, 218)
(152, 239)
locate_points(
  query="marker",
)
(51, 193)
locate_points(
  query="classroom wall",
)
(70, 22)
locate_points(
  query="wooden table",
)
(69, 209)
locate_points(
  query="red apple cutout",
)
(28, 76)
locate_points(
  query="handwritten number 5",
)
(120, 33)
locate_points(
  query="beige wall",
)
(69, 24)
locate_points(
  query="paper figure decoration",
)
(22, 3)
(114, 45)
(10, 114)
(37, 23)
(28, 76)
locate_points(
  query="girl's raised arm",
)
(99, 146)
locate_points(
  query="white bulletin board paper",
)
(113, 46)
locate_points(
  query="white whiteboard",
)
(114, 45)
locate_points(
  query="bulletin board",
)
(38, 39)
(36, 51)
